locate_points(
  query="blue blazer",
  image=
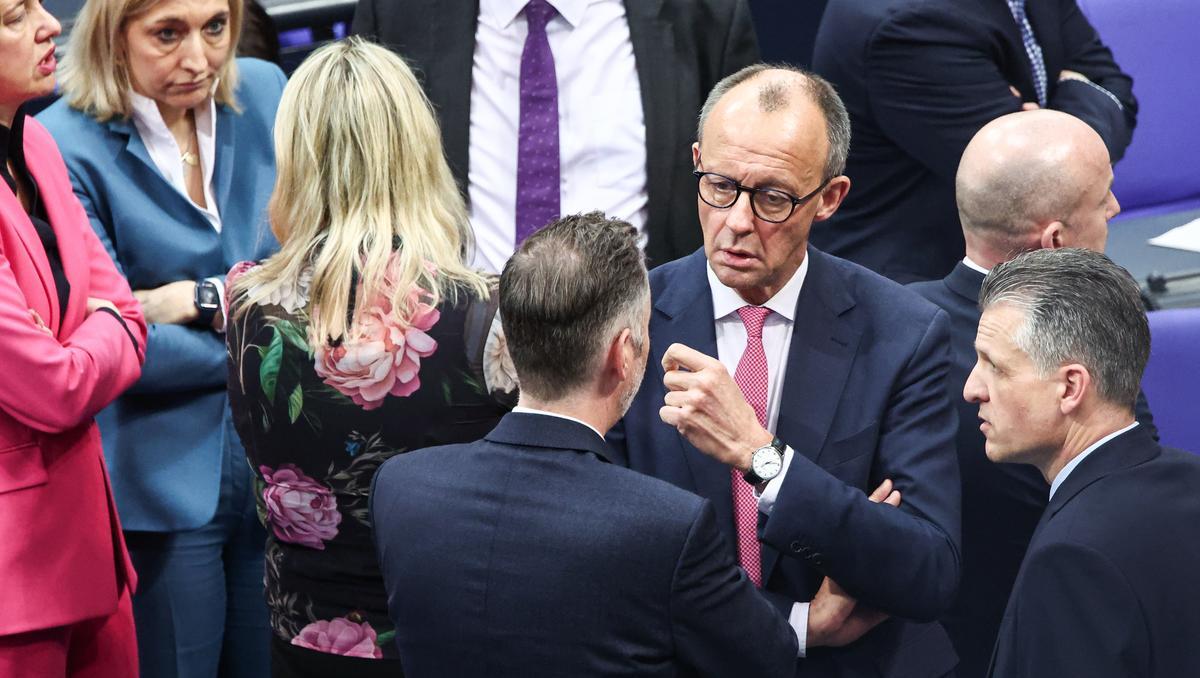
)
(1001, 503)
(863, 400)
(1109, 585)
(165, 439)
(527, 554)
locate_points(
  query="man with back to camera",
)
(772, 361)
(527, 553)
(1108, 585)
(920, 78)
(1029, 180)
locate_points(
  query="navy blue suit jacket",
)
(863, 400)
(1001, 503)
(1109, 587)
(165, 439)
(527, 554)
(919, 79)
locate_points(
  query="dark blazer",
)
(1001, 503)
(919, 78)
(682, 48)
(165, 438)
(1109, 587)
(526, 554)
(863, 400)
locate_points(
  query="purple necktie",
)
(537, 141)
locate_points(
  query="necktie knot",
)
(753, 318)
(538, 13)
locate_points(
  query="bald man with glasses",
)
(784, 385)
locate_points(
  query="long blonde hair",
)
(360, 164)
(95, 72)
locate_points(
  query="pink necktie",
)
(751, 378)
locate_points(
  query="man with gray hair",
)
(788, 384)
(527, 553)
(1108, 586)
(1030, 180)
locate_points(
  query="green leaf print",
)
(295, 403)
(268, 371)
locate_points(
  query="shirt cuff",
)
(798, 620)
(219, 282)
(766, 500)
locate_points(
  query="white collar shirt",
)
(166, 154)
(602, 131)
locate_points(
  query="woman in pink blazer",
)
(72, 339)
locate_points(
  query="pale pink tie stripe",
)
(751, 378)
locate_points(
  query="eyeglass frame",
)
(739, 189)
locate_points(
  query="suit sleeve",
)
(1108, 104)
(721, 625)
(741, 43)
(1074, 614)
(177, 357)
(53, 384)
(933, 85)
(903, 561)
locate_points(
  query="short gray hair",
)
(773, 96)
(1079, 307)
(564, 294)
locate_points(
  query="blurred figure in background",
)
(167, 139)
(73, 339)
(363, 338)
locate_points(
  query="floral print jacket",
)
(316, 425)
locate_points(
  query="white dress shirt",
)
(601, 125)
(777, 340)
(168, 157)
(974, 266)
(1066, 470)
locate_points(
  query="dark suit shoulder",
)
(884, 300)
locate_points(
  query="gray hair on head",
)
(773, 96)
(1081, 308)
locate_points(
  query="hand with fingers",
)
(834, 617)
(706, 406)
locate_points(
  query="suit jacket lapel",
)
(34, 250)
(1128, 449)
(819, 359)
(223, 162)
(135, 147)
(448, 56)
(687, 317)
(653, 51)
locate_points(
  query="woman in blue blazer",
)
(167, 140)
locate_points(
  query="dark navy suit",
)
(1001, 503)
(527, 554)
(863, 400)
(1109, 587)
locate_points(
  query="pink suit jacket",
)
(62, 556)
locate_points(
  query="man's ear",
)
(1052, 236)
(1075, 382)
(696, 155)
(831, 198)
(620, 357)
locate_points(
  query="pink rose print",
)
(299, 509)
(340, 636)
(379, 356)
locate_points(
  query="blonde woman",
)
(166, 139)
(361, 339)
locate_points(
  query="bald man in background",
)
(1027, 181)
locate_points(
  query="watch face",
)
(207, 295)
(766, 463)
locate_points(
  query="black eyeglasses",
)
(768, 204)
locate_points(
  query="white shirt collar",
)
(726, 300)
(504, 12)
(974, 266)
(530, 410)
(1066, 470)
